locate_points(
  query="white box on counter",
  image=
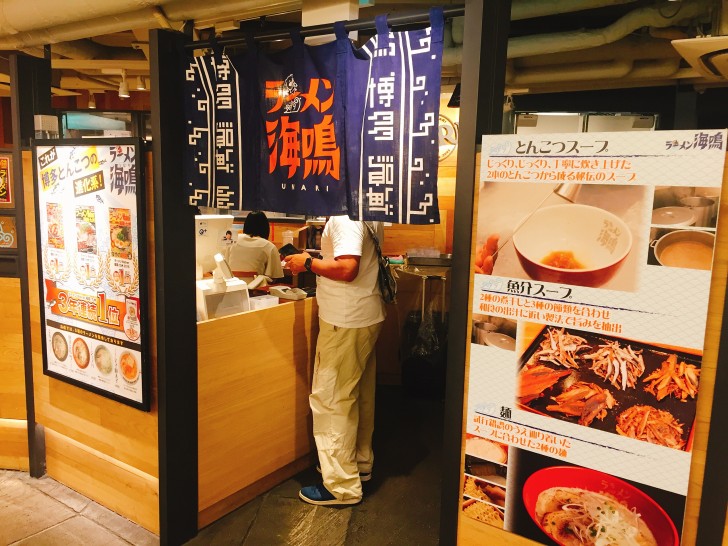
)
(261, 302)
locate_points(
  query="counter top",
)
(281, 301)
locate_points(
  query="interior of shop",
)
(241, 343)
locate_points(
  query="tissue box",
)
(261, 302)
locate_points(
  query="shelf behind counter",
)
(254, 373)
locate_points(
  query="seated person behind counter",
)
(253, 254)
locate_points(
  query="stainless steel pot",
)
(678, 236)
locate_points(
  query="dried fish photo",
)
(642, 391)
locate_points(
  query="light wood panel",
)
(12, 371)
(245, 495)
(14, 444)
(399, 238)
(254, 373)
(708, 368)
(472, 532)
(94, 428)
(118, 486)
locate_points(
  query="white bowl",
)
(599, 241)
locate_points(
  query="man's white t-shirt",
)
(358, 303)
(255, 254)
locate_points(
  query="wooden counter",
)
(254, 420)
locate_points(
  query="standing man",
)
(351, 312)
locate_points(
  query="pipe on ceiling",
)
(580, 71)
(18, 16)
(546, 44)
(186, 10)
(75, 31)
(178, 12)
(528, 9)
(610, 70)
(631, 47)
(675, 14)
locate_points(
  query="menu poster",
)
(6, 181)
(591, 284)
(92, 256)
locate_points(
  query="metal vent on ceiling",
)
(709, 56)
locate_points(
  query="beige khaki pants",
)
(342, 403)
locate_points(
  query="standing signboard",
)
(590, 298)
(92, 265)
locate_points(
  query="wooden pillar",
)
(175, 295)
(30, 94)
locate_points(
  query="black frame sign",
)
(90, 228)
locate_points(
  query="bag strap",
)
(374, 238)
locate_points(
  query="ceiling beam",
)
(99, 64)
(75, 82)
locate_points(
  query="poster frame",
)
(141, 227)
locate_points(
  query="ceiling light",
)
(91, 100)
(141, 84)
(123, 87)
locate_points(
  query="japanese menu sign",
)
(92, 255)
(590, 295)
(6, 181)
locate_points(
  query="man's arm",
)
(341, 268)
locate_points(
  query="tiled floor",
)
(401, 504)
(44, 512)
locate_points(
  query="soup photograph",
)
(576, 234)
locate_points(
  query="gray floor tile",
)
(75, 501)
(289, 521)
(26, 511)
(230, 530)
(77, 531)
(119, 525)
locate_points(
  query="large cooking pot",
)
(689, 249)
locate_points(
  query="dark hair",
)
(256, 224)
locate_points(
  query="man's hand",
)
(295, 262)
(485, 256)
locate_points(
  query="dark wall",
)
(712, 109)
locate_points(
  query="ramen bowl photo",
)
(572, 244)
(104, 361)
(688, 249)
(568, 502)
(129, 367)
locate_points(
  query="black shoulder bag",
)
(387, 282)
